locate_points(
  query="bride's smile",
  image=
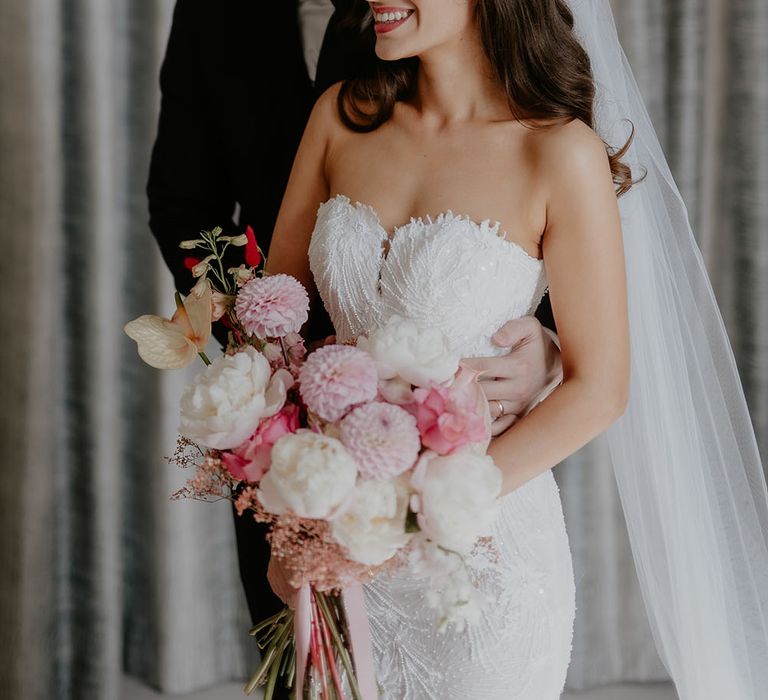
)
(388, 18)
(420, 26)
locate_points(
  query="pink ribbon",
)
(360, 640)
(302, 619)
(359, 637)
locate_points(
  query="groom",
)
(233, 110)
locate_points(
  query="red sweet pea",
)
(252, 252)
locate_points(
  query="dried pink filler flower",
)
(383, 438)
(272, 306)
(334, 378)
(307, 548)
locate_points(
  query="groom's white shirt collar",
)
(313, 18)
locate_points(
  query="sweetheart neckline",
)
(447, 214)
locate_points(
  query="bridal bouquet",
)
(361, 457)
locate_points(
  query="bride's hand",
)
(513, 381)
(278, 581)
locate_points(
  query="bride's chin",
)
(386, 53)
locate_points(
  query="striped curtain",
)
(101, 573)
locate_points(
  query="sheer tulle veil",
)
(684, 453)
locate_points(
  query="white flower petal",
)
(225, 404)
(281, 381)
(459, 498)
(372, 525)
(311, 473)
(419, 355)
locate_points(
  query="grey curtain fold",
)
(100, 572)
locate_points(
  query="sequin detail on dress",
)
(463, 277)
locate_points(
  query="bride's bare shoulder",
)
(325, 113)
(570, 148)
(327, 108)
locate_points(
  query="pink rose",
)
(447, 418)
(251, 460)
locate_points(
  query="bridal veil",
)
(684, 453)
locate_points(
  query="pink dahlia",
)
(272, 306)
(383, 438)
(336, 377)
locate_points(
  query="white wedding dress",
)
(462, 276)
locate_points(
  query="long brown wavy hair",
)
(545, 71)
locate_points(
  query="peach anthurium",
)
(174, 343)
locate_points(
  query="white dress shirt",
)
(313, 17)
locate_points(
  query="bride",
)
(455, 182)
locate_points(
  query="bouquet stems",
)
(275, 637)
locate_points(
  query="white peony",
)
(311, 475)
(458, 497)
(225, 404)
(419, 355)
(449, 589)
(457, 601)
(372, 525)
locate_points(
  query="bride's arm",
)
(583, 253)
(307, 187)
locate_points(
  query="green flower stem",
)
(212, 244)
(288, 663)
(340, 646)
(276, 666)
(272, 655)
(220, 274)
(258, 677)
(291, 671)
(222, 280)
(204, 356)
(274, 630)
(285, 352)
(270, 620)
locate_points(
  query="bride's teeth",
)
(390, 16)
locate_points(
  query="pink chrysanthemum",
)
(272, 306)
(336, 377)
(383, 438)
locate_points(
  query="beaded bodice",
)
(450, 271)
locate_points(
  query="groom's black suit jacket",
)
(236, 96)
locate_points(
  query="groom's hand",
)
(515, 380)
